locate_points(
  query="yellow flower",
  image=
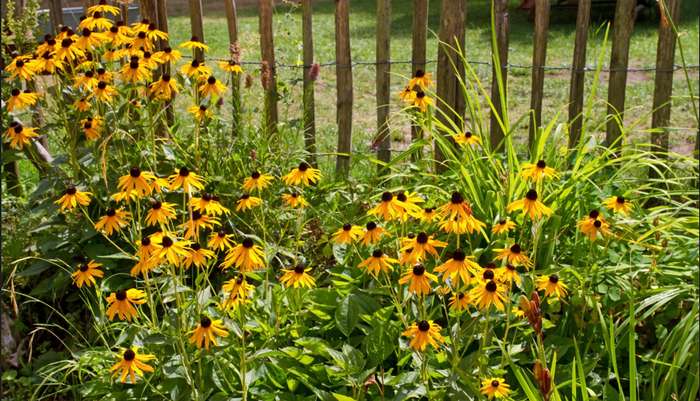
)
(212, 87)
(160, 213)
(295, 200)
(82, 105)
(409, 203)
(488, 293)
(423, 333)
(72, 198)
(122, 303)
(247, 202)
(428, 215)
(220, 241)
(47, 62)
(92, 127)
(22, 67)
(195, 69)
(154, 33)
(378, 262)
(458, 225)
(503, 226)
(168, 55)
(90, 40)
(246, 256)
(206, 332)
(418, 280)
(186, 180)
(118, 35)
(298, 277)
(86, 274)
(407, 257)
(141, 41)
(197, 256)
(618, 204)
(422, 244)
(194, 43)
(231, 66)
(210, 204)
(594, 224)
(19, 136)
(508, 274)
(459, 267)
(304, 174)
(20, 100)
(514, 255)
(197, 222)
(391, 208)
(552, 286)
(236, 292)
(113, 221)
(421, 79)
(104, 92)
(372, 235)
(530, 206)
(466, 138)
(95, 22)
(132, 364)
(538, 171)
(68, 51)
(169, 249)
(422, 101)
(347, 234)
(102, 7)
(495, 387)
(407, 94)
(136, 180)
(135, 71)
(257, 181)
(200, 112)
(460, 301)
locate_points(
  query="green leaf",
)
(347, 315)
(341, 397)
(381, 342)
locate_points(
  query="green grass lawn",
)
(288, 47)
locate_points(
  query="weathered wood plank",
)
(383, 80)
(232, 23)
(500, 10)
(309, 106)
(578, 73)
(269, 72)
(539, 58)
(418, 50)
(343, 70)
(197, 25)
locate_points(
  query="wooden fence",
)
(450, 71)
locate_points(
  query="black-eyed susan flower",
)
(594, 224)
(456, 207)
(209, 204)
(618, 204)
(169, 249)
(304, 174)
(294, 200)
(113, 221)
(389, 208)
(48, 63)
(247, 202)
(200, 112)
(246, 256)
(160, 213)
(86, 273)
(372, 235)
(95, 22)
(552, 286)
(495, 387)
(146, 248)
(231, 66)
(220, 241)
(186, 180)
(135, 71)
(92, 127)
(236, 292)
(104, 8)
(195, 44)
(377, 263)
(407, 94)
(142, 42)
(195, 69)
(121, 303)
(169, 55)
(82, 104)
(488, 273)
(117, 37)
(72, 198)
(19, 136)
(104, 92)
(163, 89)
(197, 256)
(459, 267)
(410, 202)
(487, 293)
(68, 51)
(406, 257)
(298, 277)
(421, 79)
(422, 101)
(206, 332)
(198, 221)
(514, 255)
(423, 333)
(150, 60)
(132, 364)
(508, 274)
(428, 215)
(421, 245)
(503, 226)
(257, 181)
(457, 225)
(530, 206)
(136, 180)
(459, 301)
(418, 280)
(90, 40)
(537, 171)
(140, 26)
(347, 234)
(154, 33)
(21, 67)
(21, 100)
(466, 138)
(212, 87)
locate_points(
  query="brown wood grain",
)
(500, 9)
(267, 49)
(383, 81)
(619, 60)
(419, 40)
(578, 74)
(232, 23)
(197, 25)
(539, 58)
(309, 106)
(343, 70)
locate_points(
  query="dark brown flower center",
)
(347, 227)
(134, 64)
(65, 43)
(457, 198)
(303, 166)
(184, 172)
(422, 238)
(501, 222)
(211, 80)
(145, 241)
(488, 274)
(299, 268)
(428, 210)
(221, 234)
(515, 248)
(205, 322)
(166, 77)
(71, 190)
(460, 295)
(468, 134)
(620, 200)
(495, 383)
(111, 212)
(206, 197)
(102, 85)
(167, 242)
(195, 247)
(597, 223)
(156, 205)
(255, 175)
(196, 215)
(245, 196)
(401, 197)
(423, 325)
(84, 267)
(247, 243)
(541, 164)
(15, 92)
(491, 286)
(459, 255)
(135, 172)
(120, 295)
(553, 279)
(371, 226)
(387, 197)
(420, 73)
(420, 94)
(129, 355)
(418, 270)
(594, 214)
(531, 195)
(377, 253)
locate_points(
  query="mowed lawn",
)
(288, 48)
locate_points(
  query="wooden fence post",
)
(232, 21)
(149, 10)
(500, 10)
(56, 15)
(308, 97)
(269, 72)
(663, 81)
(539, 58)
(450, 70)
(343, 71)
(383, 70)
(622, 31)
(578, 72)
(197, 26)
(418, 56)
